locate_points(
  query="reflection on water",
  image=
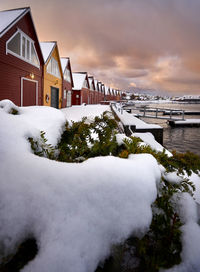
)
(182, 138)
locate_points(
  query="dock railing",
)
(145, 109)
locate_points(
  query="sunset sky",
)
(125, 43)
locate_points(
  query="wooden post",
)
(156, 113)
(183, 112)
(144, 110)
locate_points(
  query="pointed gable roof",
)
(91, 82)
(103, 88)
(65, 62)
(106, 90)
(47, 49)
(10, 17)
(99, 86)
(96, 85)
(79, 79)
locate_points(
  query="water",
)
(182, 138)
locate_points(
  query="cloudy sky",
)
(152, 44)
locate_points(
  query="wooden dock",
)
(185, 113)
(185, 123)
(160, 113)
(156, 113)
(132, 124)
(158, 117)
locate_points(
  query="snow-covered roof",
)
(90, 79)
(47, 48)
(64, 63)
(9, 17)
(99, 84)
(95, 84)
(106, 89)
(78, 79)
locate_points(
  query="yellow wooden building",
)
(53, 76)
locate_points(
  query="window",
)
(69, 99)
(65, 94)
(21, 46)
(53, 68)
(34, 59)
(14, 44)
(28, 49)
(67, 75)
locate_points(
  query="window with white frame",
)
(53, 68)
(69, 99)
(22, 46)
(65, 94)
(67, 75)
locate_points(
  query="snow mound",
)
(75, 211)
(149, 139)
(76, 113)
(190, 236)
(8, 105)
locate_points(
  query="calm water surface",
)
(183, 138)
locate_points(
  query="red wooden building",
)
(67, 83)
(81, 91)
(97, 91)
(107, 93)
(21, 60)
(93, 97)
(118, 95)
(101, 91)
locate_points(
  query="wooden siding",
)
(66, 86)
(84, 96)
(76, 97)
(12, 69)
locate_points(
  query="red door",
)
(29, 92)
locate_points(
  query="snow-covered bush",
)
(41, 148)
(161, 246)
(9, 107)
(83, 139)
